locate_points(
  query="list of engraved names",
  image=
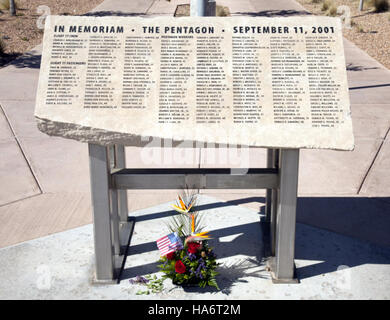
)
(204, 74)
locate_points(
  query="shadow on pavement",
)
(203, 207)
(18, 60)
(335, 231)
(113, 13)
(369, 87)
(359, 217)
(230, 272)
(6, 58)
(331, 252)
(274, 13)
(352, 67)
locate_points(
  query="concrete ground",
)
(45, 180)
(329, 265)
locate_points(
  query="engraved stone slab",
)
(266, 82)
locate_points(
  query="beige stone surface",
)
(42, 215)
(18, 86)
(164, 6)
(17, 182)
(68, 172)
(5, 130)
(328, 172)
(20, 114)
(131, 126)
(375, 183)
(371, 120)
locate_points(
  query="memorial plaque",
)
(267, 82)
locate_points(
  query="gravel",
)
(369, 30)
(20, 33)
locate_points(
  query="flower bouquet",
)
(191, 263)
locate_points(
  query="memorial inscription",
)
(267, 82)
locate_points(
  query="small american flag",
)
(169, 243)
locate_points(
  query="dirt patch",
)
(20, 33)
(369, 30)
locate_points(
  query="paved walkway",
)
(45, 180)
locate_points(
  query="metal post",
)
(126, 224)
(202, 8)
(12, 7)
(211, 8)
(114, 215)
(286, 216)
(361, 4)
(274, 204)
(268, 197)
(99, 174)
(197, 8)
(120, 163)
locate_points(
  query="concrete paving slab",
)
(20, 114)
(280, 8)
(356, 56)
(165, 7)
(28, 62)
(253, 201)
(370, 120)
(368, 80)
(360, 217)
(42, 215)
(377, 182)
(18, 86)
(60, 165)
(114, 7)
(141, 200)
(236, 7)
(158, 157)
(17, 182)
(330, 266)
(323, 174)
(5, 131)
(363, 73)
(239, 159)
(370, 94)
(328, 172)
(233, 157)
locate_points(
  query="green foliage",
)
(199, 270)
(332, 11)
(195, 265)
(380, 5)
(221, 11)
(154, 285)
(181, 223)
(2, 46)
(325, 5)
(4, 5)
(360, 29)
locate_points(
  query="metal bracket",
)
(195, 181)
